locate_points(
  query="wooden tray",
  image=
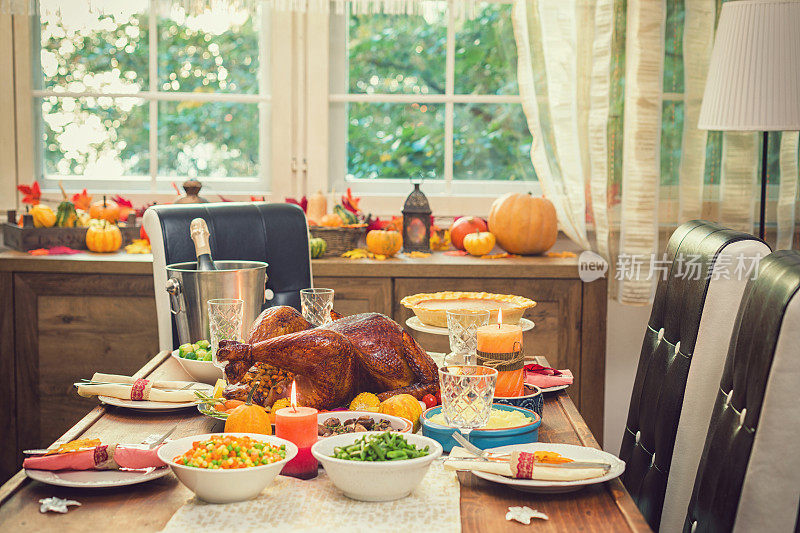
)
(31, 238)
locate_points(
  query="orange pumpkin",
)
(249, 418)
(103, 237)
(523, 224)
(105, 210)
(403, 405)
(479, 243)
(331, 220)
(383, 242)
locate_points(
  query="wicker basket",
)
(339, 240)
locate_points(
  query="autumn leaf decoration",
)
(82, 200)
(32, 193)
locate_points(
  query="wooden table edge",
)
(10, 487)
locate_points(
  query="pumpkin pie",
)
(431, 308)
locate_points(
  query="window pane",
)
(391, 54)
(399, 141)
(95, 137)
(214, 51)
(94, 46)
(671, 140)
(491, 142)
(208, 139)
(486, 54)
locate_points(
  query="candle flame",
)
(499, 317)
(294, 396)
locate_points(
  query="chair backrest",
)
(253, 231)
(681, 360)
(749, 475)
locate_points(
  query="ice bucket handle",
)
(174, 289)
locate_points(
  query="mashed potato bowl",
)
(483, 438)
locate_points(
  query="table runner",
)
(290, 504)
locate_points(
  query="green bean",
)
(385, 446)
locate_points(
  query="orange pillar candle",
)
(298, 425)
(503, 338)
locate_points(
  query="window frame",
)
(274, 156)
(448, 196)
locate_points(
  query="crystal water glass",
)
(316, 305)
(225, 317)
(462, 328)
(467, 395)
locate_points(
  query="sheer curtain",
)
(612, 91)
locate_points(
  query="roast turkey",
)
(368, 352)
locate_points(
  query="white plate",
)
(556, 388)
(578, 453)
(95, 478)
(416, 324)
(146, 405)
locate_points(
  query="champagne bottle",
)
(200, 236)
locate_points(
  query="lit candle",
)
(502, 339)
(298, 425)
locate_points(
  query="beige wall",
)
(624, 334)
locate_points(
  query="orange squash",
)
(383, 242)
(331, 220)
(479, 243)
(403, 405)
(249, 418)
(103, 237)
(105, 210)
(523, 224)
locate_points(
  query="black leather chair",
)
(749, 474)
(681, 360)
(254, 231)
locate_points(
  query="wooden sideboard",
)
(64, 317)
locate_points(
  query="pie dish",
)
(431, 308)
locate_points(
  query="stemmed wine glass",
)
(316, 305)
(225, 317)
(462, 328)
(467, 395)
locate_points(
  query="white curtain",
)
(612, 96)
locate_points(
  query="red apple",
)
(463, 226)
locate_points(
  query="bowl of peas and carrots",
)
(376, 466)
(227, 467)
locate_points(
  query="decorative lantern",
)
(192, 188)
(416, 222)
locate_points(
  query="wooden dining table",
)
(149, 506)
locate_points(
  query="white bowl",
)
(223, 485)
(377, 481)
(202, 371)
(398, 423)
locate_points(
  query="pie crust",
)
(431, 308)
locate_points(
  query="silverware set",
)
(151, 441)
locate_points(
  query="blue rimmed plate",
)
(484, 438)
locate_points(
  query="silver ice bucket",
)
(190, 289)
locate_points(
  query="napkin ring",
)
(140, 390)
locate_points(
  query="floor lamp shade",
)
(754, 77)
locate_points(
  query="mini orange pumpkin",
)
(479, 243)
(249, 418)
(105, 210)
(103, 237)
(384, 242)
(331, 220)
(523, 224)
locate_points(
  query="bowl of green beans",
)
(376, 466)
